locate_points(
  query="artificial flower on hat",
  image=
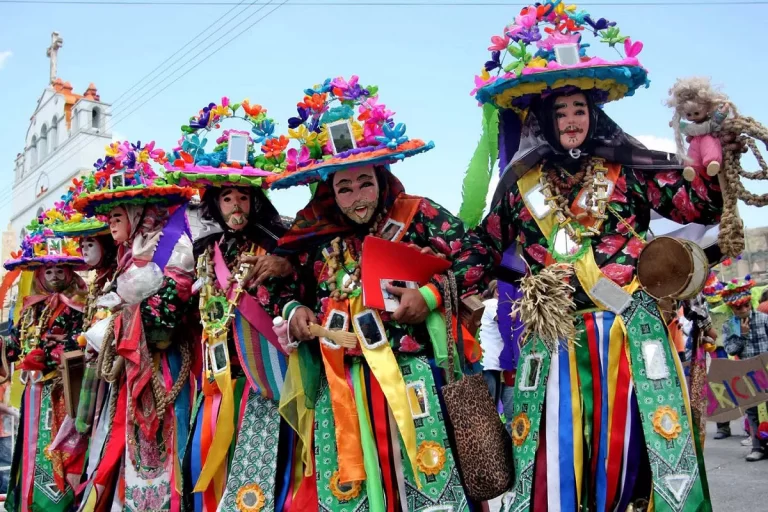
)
(238, 157)
(41, 247)
(127, 175)
(545, 48)
(737, 291)
(341, 124)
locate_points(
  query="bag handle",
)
(451, 302)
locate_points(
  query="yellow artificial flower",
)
(41, 250)
(357, 130)
(484, 74)
(70, 248)
(76, 217)
(143, 156)
(221, 110)
(112, 149)
(562, 9)
(538, 62)
(302, 134)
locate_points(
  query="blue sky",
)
(422, 58)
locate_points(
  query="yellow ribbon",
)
(384, 366)
(225, 429)
(294, 411)
(577, 412)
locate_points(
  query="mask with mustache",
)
(237, 217)
(353, 212)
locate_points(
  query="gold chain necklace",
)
(334, 260)
(596, 201)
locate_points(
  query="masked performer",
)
(233, 460)
(602, 417)
(48, 324)
(144, 355)
(364, 457)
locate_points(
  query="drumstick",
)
(341, 338)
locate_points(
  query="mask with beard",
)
(57, 279)
(235, 207)
(357, 193)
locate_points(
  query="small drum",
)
(672, 268)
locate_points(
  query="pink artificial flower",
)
(499, 43)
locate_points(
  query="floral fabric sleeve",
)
(677, 199)
(497, 231)
(69, 324)
(164, 309)
(436, 227)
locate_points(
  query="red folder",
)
(383, 259)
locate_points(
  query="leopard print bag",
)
(484, 448)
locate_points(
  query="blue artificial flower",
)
(393, 136)
(337, 114)
(319, 89)
(193, 145)
(263, 130)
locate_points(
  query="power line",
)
(206, 3)
(118, 119)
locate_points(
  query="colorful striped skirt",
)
(604, 422)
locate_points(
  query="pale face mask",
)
(92, 251)
(235, 207)
(357, 193)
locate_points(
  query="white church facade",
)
(67, 133)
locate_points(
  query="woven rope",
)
(731, 238)
(164, 398)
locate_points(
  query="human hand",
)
(300, 322)
(733, 142)
(427, 250)
(413, 308)
(264, 267)
(744, 326)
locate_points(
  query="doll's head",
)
(694, 99)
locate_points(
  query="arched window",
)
(53, 134)
(96, 118)
(22, 235)
(40, 211)
(42, 147)
(33, 152)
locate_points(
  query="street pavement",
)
(735, 484)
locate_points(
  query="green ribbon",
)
(374, 488)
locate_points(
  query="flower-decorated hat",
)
(42, 248)
(340, 125)
(712, 289)
(737, 292)
(126, 176)
(544, 50)
(64, 221)
(235, 159)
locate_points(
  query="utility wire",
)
(204, 3)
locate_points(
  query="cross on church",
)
(53, 51)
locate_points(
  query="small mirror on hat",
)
(341, 136)
(238, 147)
(117, 180)
(567, 54)
(54, 246)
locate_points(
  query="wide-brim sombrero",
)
(202, 177)
(45, 261)
(86, 228)
(102, 201)
(610, 81)
(319, 170)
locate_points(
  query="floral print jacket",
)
(433, 226)
(616, 250)
(60, 337)
(272, 294)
